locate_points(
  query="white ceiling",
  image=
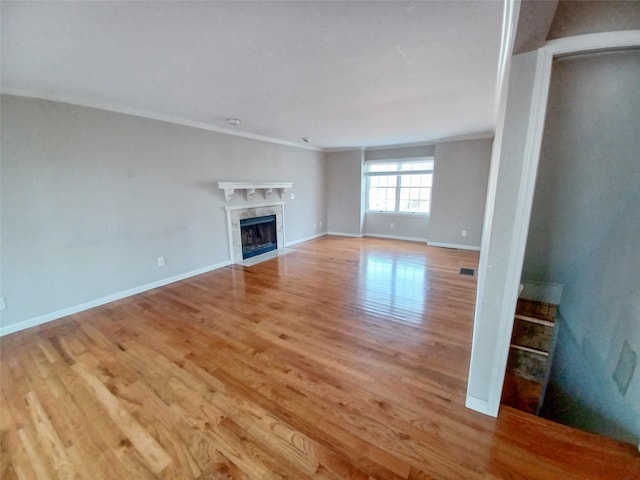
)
(345, 74)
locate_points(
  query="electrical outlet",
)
(293, 196)
(391, 225)
(161, 262)
(464, 233)
(3, 304)
(321, 224)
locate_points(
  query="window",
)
(399, 186)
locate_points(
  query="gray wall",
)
(584, 233)
(345, 214)
(461, 174)
(385, 153)
(581, 393)
(581, 17)
(405, 226)
(91, 198)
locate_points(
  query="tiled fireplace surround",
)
(235, 214)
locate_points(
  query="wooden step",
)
(521, 393)
(530, 350)
(538, 321)
(532, 333)
(539, 310)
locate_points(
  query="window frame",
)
(398, 173)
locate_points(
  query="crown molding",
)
(177, 120)
(136, 112)
(429, 143)
(462, 138)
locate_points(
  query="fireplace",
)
(239, 217)
(258, 235)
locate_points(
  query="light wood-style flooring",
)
(345, 359)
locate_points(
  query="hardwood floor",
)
(345, 359)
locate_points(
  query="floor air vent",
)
(467, 271)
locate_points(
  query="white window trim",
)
(398, 173)
(401, 214)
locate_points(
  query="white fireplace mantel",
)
(251, 187)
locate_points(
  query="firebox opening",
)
(258, 235)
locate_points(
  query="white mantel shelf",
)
(251, 187)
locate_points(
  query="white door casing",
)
(514, 166)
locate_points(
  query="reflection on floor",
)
(395, 288)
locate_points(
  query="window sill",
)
(399, 214)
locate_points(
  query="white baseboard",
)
(542, 292)
(33, 322)
(305, 239)
(343, 234)
(453, 245)
(396, 237)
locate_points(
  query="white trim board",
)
(396, 237)
(453, 245)
(33, 322)
(177, 120)
(427, 143)
(509, 23)
(510, 16)
(514, 257)
(344, 234)
(593, 42)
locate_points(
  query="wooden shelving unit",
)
(530, 355)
